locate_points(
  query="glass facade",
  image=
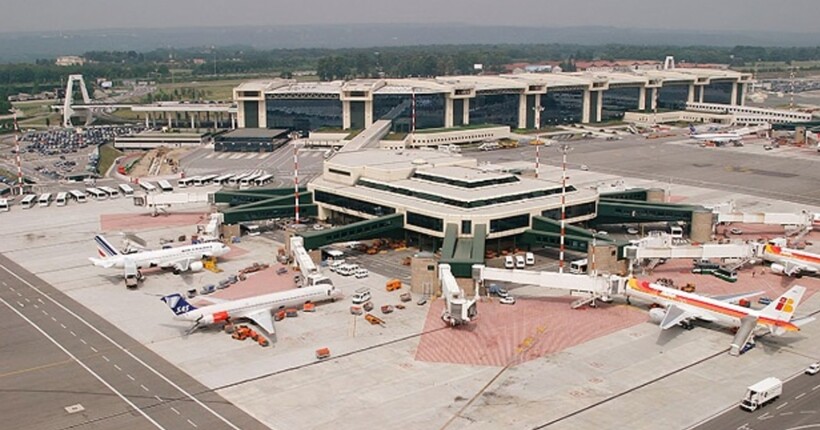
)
(466, 204)
(304, 114)
(466, 184)
(424, 221)
(619, 100)
(399, 109)
(352, 204)
(561, 107)
(673, 96)
(509, 223)
(718, 92)
(466, 227)
(458, 112)
(252, 114)
(499, 109)
(571, 211)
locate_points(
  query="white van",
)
(519, 262)
(509, 263)
(578, 266)
(530, 257)
(361, 272)
(361, 295)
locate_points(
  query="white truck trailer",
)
(761, 394)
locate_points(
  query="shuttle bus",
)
(236, 179)
(223, 180)
(263, 180)
(204, 180)
(249, 180)
(113, 193)
(78, 195)
(187, 182)
(4, 205)
(147, 186)
(62, 199)
(28, 201)
(126, 190)
(96, 193)
(165, 186)
(578, 266)
(44, 201)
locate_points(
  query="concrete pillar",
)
(585, 108)
(466, 109)
(700, 95)
(170, 123)
(654, 102)
(691, 96)
(146, 119)
(733, 100)
(537, 117)
(346, 115)
(263, 115)
(742, 94)
(368, 113)
(642, 99)
(193, 125)
(701, 228)
(599, 106)
(522, 111)
(448, 112)
(233, 122)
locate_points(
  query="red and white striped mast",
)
(564, 149)
(17, 153)
(537, 159)
(296, 180)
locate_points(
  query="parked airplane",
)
(790, 262)
(180, 259)
(257, 309)
(681, 308)
(727, 137)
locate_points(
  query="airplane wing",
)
(262, 319)
(181, 265)
(735, 298)
(674, 316)
(793, 269)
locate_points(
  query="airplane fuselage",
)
(164, 257)
(222, 312)
(781, 255)
(725, 313)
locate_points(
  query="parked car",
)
(632, 230)
(765, 300)
(736, 230)
(509, 300)
(813, 369)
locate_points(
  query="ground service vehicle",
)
(361, 295)
(4, 205)
(530, 257)
(578, 266)
(519, 262)
(813, 369)
(393, 284)
(28, 201)
(62, 198)
(509, 263)
(761, 394)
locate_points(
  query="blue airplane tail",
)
(104, 247)
(691, 129)
(178, 304)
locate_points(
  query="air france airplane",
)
(180, 259)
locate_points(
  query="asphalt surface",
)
(797, 408)
(64, 367)
(783, 174)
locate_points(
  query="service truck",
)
(761, 394)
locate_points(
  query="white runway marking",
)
(782, 406)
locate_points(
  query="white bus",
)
(249, 180)
(4, 205)
(96, 194)
(165, 186)
(222, 180)
(265, 179)
(187, 182)
(205, 180)
(126, 190)
(28, 201)
(578, 266)
(78, 195)
(147, 186)
(236, 179)
(62, 199)
(113, 193)
(44, 201)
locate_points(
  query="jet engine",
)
(778, 268)
(196, 266)
(656, 315)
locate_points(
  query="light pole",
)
(564, 148)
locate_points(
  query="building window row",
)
(465, 184)
(419, 139)
(352, 204)
(338, 172)
(469, 204)
(424, 221)
(573, 211)
(509, 223)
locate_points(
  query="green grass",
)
(107, 156)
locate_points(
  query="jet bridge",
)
(458, 310)
(727, 213)
(592, 287)
(661, 245)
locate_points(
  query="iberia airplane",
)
(680, 308)
(791, 262)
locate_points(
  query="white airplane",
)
(257, 309)
(726, 137)
(790, 262)
(682, 308)
(180, 259)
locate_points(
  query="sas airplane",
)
(257, 309)
(180, 259)
(681, 308)
(791, 262)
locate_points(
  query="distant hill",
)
(20, 47)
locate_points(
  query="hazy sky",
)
(767, 15)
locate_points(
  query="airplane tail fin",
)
(104, 247)
(691, 129)
(783, 307)
(178, 304)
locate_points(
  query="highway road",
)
(797, 408)
(62, 366)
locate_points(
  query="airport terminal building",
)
(527, 100)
